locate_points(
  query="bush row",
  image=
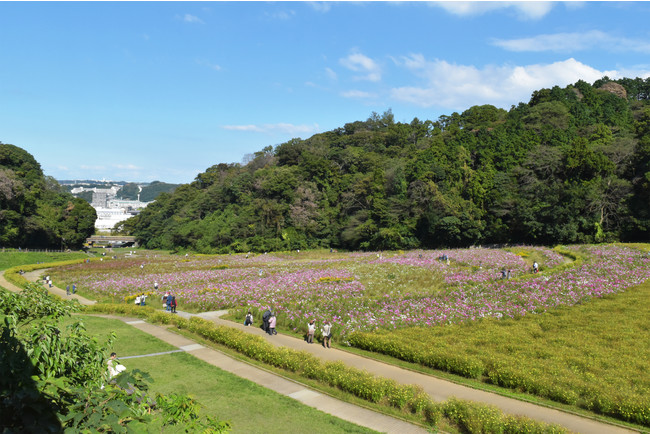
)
(474, 418)
(558, 387)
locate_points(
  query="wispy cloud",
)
(525, 10)
(279, 128)
(126, 167)
(188, 18)
(330, 74)
(571, 42)
(367, 68)
(458, 87)
(281, 15)
(358, 94)
(320, 6)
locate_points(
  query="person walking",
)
(67, 290)
(311, 329)
(272, 322)
(327, 334)
(265, 320)
(249, 319)
(169, 302)
(174, 304)
(74, 288)
(142, 299)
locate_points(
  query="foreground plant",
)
(54, 378)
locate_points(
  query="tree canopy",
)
(34, 209)
(572, 165)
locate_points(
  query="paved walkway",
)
(438, 389)
(342, 410)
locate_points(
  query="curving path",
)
(438, 389)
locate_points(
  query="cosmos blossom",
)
(333, 289)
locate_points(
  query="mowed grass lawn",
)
(249, 407)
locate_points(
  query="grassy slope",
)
(249, 407)
(12, 259)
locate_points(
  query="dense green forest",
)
(570, 166)
(35, 212)
(148, 193)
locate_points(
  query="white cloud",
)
(279, 128)
(526, 10)
(320, 6)
(458, 87)
(192, 19)
(570, 42)
(358, 94)
(126, 167)
(331, 74)
(364, 65)
(281, 15)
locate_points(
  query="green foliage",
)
(359, 383)
(54, 378)
(34, 210)
(545, 172)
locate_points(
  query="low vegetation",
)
(472, 417)
(54, 378)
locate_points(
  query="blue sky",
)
(144, 91)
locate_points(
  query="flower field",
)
(368, 291)
(543, 333)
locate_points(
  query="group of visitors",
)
(169, 302)
(326, 331)
(269, 322)
(140, 300)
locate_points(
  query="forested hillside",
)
(570, 166)
(147, 193)
(34, 210)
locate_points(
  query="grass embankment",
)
(592, 356)
(249, 407)
(16, 259)
(409, 399)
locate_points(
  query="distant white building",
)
(110, 210)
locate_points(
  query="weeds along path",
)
(438, 389)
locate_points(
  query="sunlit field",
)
(367, 291)
(570, 333)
